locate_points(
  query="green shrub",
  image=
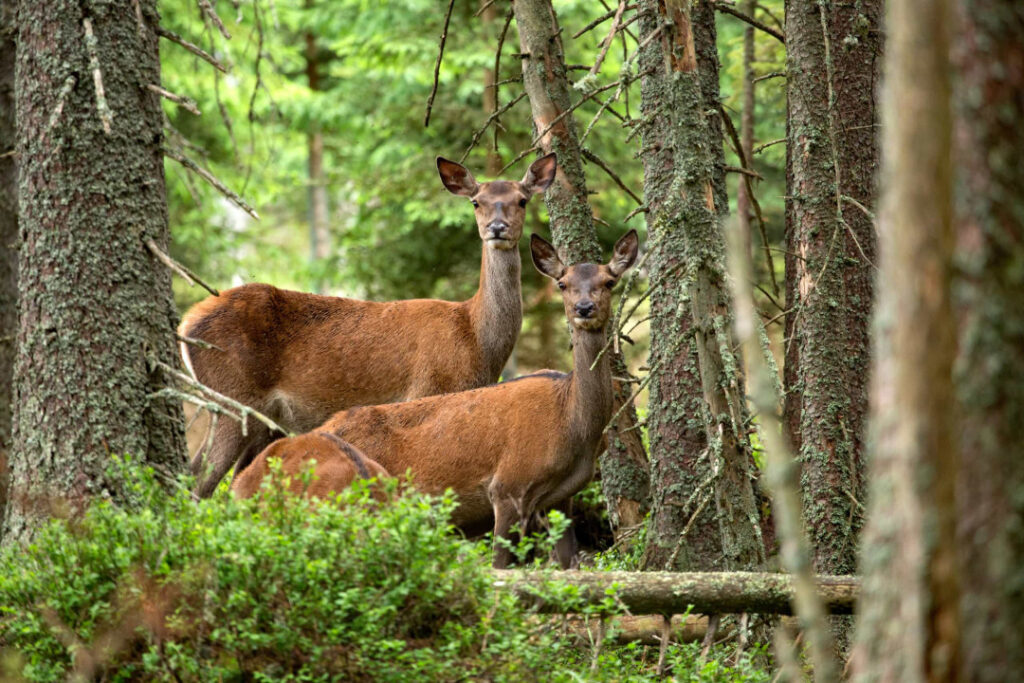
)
(282, 589)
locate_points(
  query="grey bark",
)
(8, 237)
(690, 258)
(95, 304)
(989, 93)
(908, 628)
(624, 469)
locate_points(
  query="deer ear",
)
(540, 175)
(625, 253)
(545, 258)
(457, 178)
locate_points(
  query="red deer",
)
(509, 450)
(300, 358)
(339, 464)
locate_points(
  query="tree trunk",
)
(95, 304)
(990, 368)
(675, 592)
(8, 237)
(624, 473)
(683, 533)
(689, 261)
(908, 626)
(832, 53)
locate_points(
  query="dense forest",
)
(511, 340)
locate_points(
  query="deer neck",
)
(496, 310)
(590, 391)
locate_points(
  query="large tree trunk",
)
(95, 304)
(8, 237)
(683, 533)
(831, 58)
(624, 472)
(990, 368)
(689, 261)
(908, 620)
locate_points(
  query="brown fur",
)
(301, 357)
(513, 449)
(337, 464)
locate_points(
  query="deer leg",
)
(228, 444)
(566, 550)
(505, 516)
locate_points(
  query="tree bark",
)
(624, 471)
(989, 94)
(8, 237)
(832, 54)
(908, 627)
(675, 592)
(95, 305)
(689, 261)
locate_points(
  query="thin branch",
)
(866, 210)
(487, 123)
(185, 103)
(211, 13)
(102, 108)
(768, 76)
(744, 171)
(618, 181)
(483, 8)
(210, 178)
(519, 157)
(437, 64)
(62, 96)
(194, 49)
(594, 70)
(497, 66)
(555, 121)
(600, 20)
(181, 270)
(192, 341)
(761, 148)
(729, 9)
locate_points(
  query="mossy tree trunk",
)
(689, 261)
(832, 57)
(95, 304)
(8, 237)
(683, 533)
(624, 470)
(990, 304)
(909, 622)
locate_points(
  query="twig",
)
(643, 208)
(729, 9)
(519, 157)
(490, 119)
(594, 70)
(867, 212)
(62, 97)
(744, 171)
(208, 10)
(497, 66)
(185, 103)
(181, 270)
(102, 108)
(210, 178)
(483, 8)
(618, 181)
(194, 49)
(773, 74)
(197, 342)
(554, 122)
(600, 20)
(437, 64)
(761, 148)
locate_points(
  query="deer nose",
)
(584, 309)
(497, 228)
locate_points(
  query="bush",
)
(275, 588)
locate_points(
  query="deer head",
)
(500, 206)
(586, 287)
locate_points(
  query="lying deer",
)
(509, 450)
(301, 357)
(339, 464)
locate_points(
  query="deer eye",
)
(476, 204)
(522, 203)
(610, 284)
(561, 285)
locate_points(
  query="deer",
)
(300, 357)
(510, 450)
(340, 464)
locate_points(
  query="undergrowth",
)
(277, 588)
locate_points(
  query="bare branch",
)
(185, 103)
(729, 9)
(194, 49)
(210, 178)
(181, 270)
(487, 123)
(192, 341)
(618, 181)
(609, 39)
(102, 108)
(211, 13)
(600, 20)
(773, 74)
(437, 64)
(761, 148)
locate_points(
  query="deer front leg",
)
(566, 550)
(505, 516)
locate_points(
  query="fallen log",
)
(675, 592)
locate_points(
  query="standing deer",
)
(301, 357)
(508, 450)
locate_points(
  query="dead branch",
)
(194, 49)
(490, 119)
(773, 74)
(744, 171)
(197, 342)
(618, 181)
(729, 9)
(102, 108)
(185, 103)
(62, 96)
(210, 178)
(594, 70)
(600, 20)
(189, 277)
(211, 14)
(437, 64)
(762, 147)
(497, 67)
